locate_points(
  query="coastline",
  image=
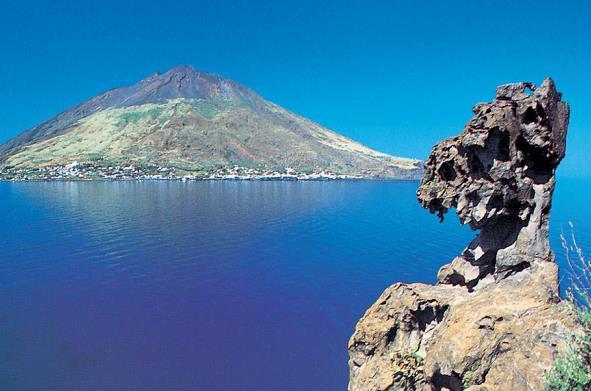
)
(228, 179)
(90, 172)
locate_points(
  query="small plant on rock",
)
(572, 370)
(408, 369)
(468, 379)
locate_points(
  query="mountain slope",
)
(195, 122)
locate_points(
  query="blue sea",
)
(211, 285)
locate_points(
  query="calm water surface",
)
(210, 285)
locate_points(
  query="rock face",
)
(499, 175)
(495, 320)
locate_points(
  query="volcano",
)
(195, 122)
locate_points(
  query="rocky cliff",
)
(495, 320)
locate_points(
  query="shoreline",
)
(88, 171)
(212, 180)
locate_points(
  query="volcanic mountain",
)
(195, 122)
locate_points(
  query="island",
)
(186, 124)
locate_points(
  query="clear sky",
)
(395, 75)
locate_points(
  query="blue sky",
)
(395, 75)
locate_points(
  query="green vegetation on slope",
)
(572, 369)
(204, 134)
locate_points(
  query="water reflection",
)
(208, 285)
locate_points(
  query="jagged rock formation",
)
(499, 175)
(495, 320)
(196, 123)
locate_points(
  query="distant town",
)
(85, 171)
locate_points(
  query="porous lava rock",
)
(495, 320)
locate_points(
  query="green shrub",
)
(407, 368)
(468, 379)
(572, 370)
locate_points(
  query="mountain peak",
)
(179, 82)
(182, 69)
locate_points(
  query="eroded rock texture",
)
(495, 320)
(499, 175)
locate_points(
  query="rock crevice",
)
(495, 318)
